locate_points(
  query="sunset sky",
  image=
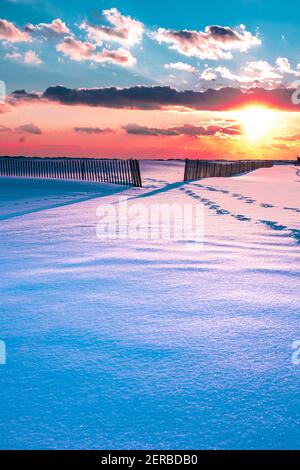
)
(150, 79)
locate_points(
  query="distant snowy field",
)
(144, 344)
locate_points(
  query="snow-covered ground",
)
(146, 344)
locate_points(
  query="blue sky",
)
(270, 20)
(150, 79)
(174, 14)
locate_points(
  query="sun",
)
(257, 122)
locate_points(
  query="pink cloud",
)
(189, 130)
(24, 128)
(9, 32)
(124, 29)
(81, 51)
(29, 129)
(92, 130)
(13, 55)
(56, 28)
(32, 58)
(216, 42)
(77, 50)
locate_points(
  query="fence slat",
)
(197, 169)
(125, 172)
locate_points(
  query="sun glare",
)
(257, 122)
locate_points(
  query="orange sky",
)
(58, 138)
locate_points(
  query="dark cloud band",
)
(157, 97)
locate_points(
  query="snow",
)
(144, 344)
(21, 196)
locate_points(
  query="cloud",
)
(136, 129)
(184, 130)
(224, 72)
(284, 66)
(23, 129)
(181, 66)
(77, 50)
(32, 58)
(138, 97)
(85, 51)
(56, 28)
(208, 74)
(289, 138)
(9, 32)
(91, 130)
(158, 97)
(278, 146)
(24, 96)
(262, 70)
(118, 57)
(255, 73)
(29, 129)
(216, 42)
(29, 58)
(13, 55)
(123, 30)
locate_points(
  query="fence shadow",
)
(164, 189)
(20, 200)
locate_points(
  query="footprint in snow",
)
(222, 212)
(273, 225)
(294, 209)
(296, 234)
(241, 217)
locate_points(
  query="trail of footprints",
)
(214, 206)
(294, 233)
(246, 199)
